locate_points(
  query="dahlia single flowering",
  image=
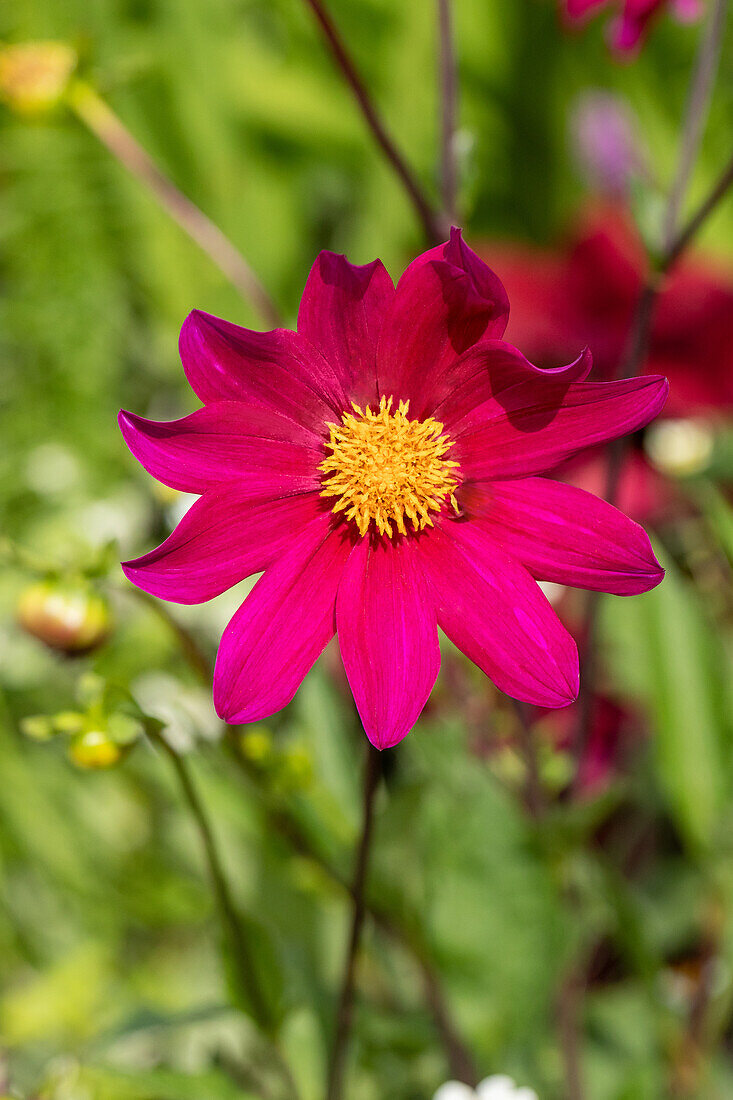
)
(379, 467)
(634, 18)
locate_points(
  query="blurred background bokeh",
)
(610, 926)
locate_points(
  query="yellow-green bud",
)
(39, 727)
(94, 749)
(296, 768)
(256, 745)
(68, 721)
(35, 75)
(66, 616)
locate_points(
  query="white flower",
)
(491, 1088)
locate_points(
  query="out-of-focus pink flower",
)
(380, 465)
(634, 18)
(586, 294)
(603, 138)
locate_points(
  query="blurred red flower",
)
(586, 293)
(628, 28)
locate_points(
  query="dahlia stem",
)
(707, 206)
(105, 125)
(696, 113)
(458, 1057)
(434, 231)
(449, 110)
(345, 1010)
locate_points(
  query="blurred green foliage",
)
(112, 984)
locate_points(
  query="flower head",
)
(604, 140)
(35, 75)
(379, 467)
(634, 18)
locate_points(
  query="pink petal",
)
(223, 538)
(563, 534)
(445, 302)
(687, 11)
(341, 314)
(490, 607)
(576, 9)
(624, 33)
(267, 454)
(542, 425)
(282, 626)
(279, 370)
(388, 634)
(486, 371)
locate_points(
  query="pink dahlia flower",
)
(378, 466)
(635, 17)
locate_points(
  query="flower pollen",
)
(384, 467)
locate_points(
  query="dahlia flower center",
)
(384, 468)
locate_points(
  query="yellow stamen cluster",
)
(384, 467)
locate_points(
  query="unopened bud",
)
(68, 617)
(94, 749)
(38, 727)
(35, 75)
(256, 745)
(679, 448)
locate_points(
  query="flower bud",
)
(39, 727)
(680, 448)
(94, 749)
(35, 75)
(256, 745)
(68, 617)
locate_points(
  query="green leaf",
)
(109, 1084)
(663, 647)
(254, 975)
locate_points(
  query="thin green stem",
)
(345, 1010)
(105, 125)
(222, 895)
(448, 111)
(458, 1057)
(696, 113)
(285, 821)
(226, 908)
(434, 230)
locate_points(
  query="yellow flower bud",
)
(256, 745)
(35, 75)
(66, 616)
(94, 749)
